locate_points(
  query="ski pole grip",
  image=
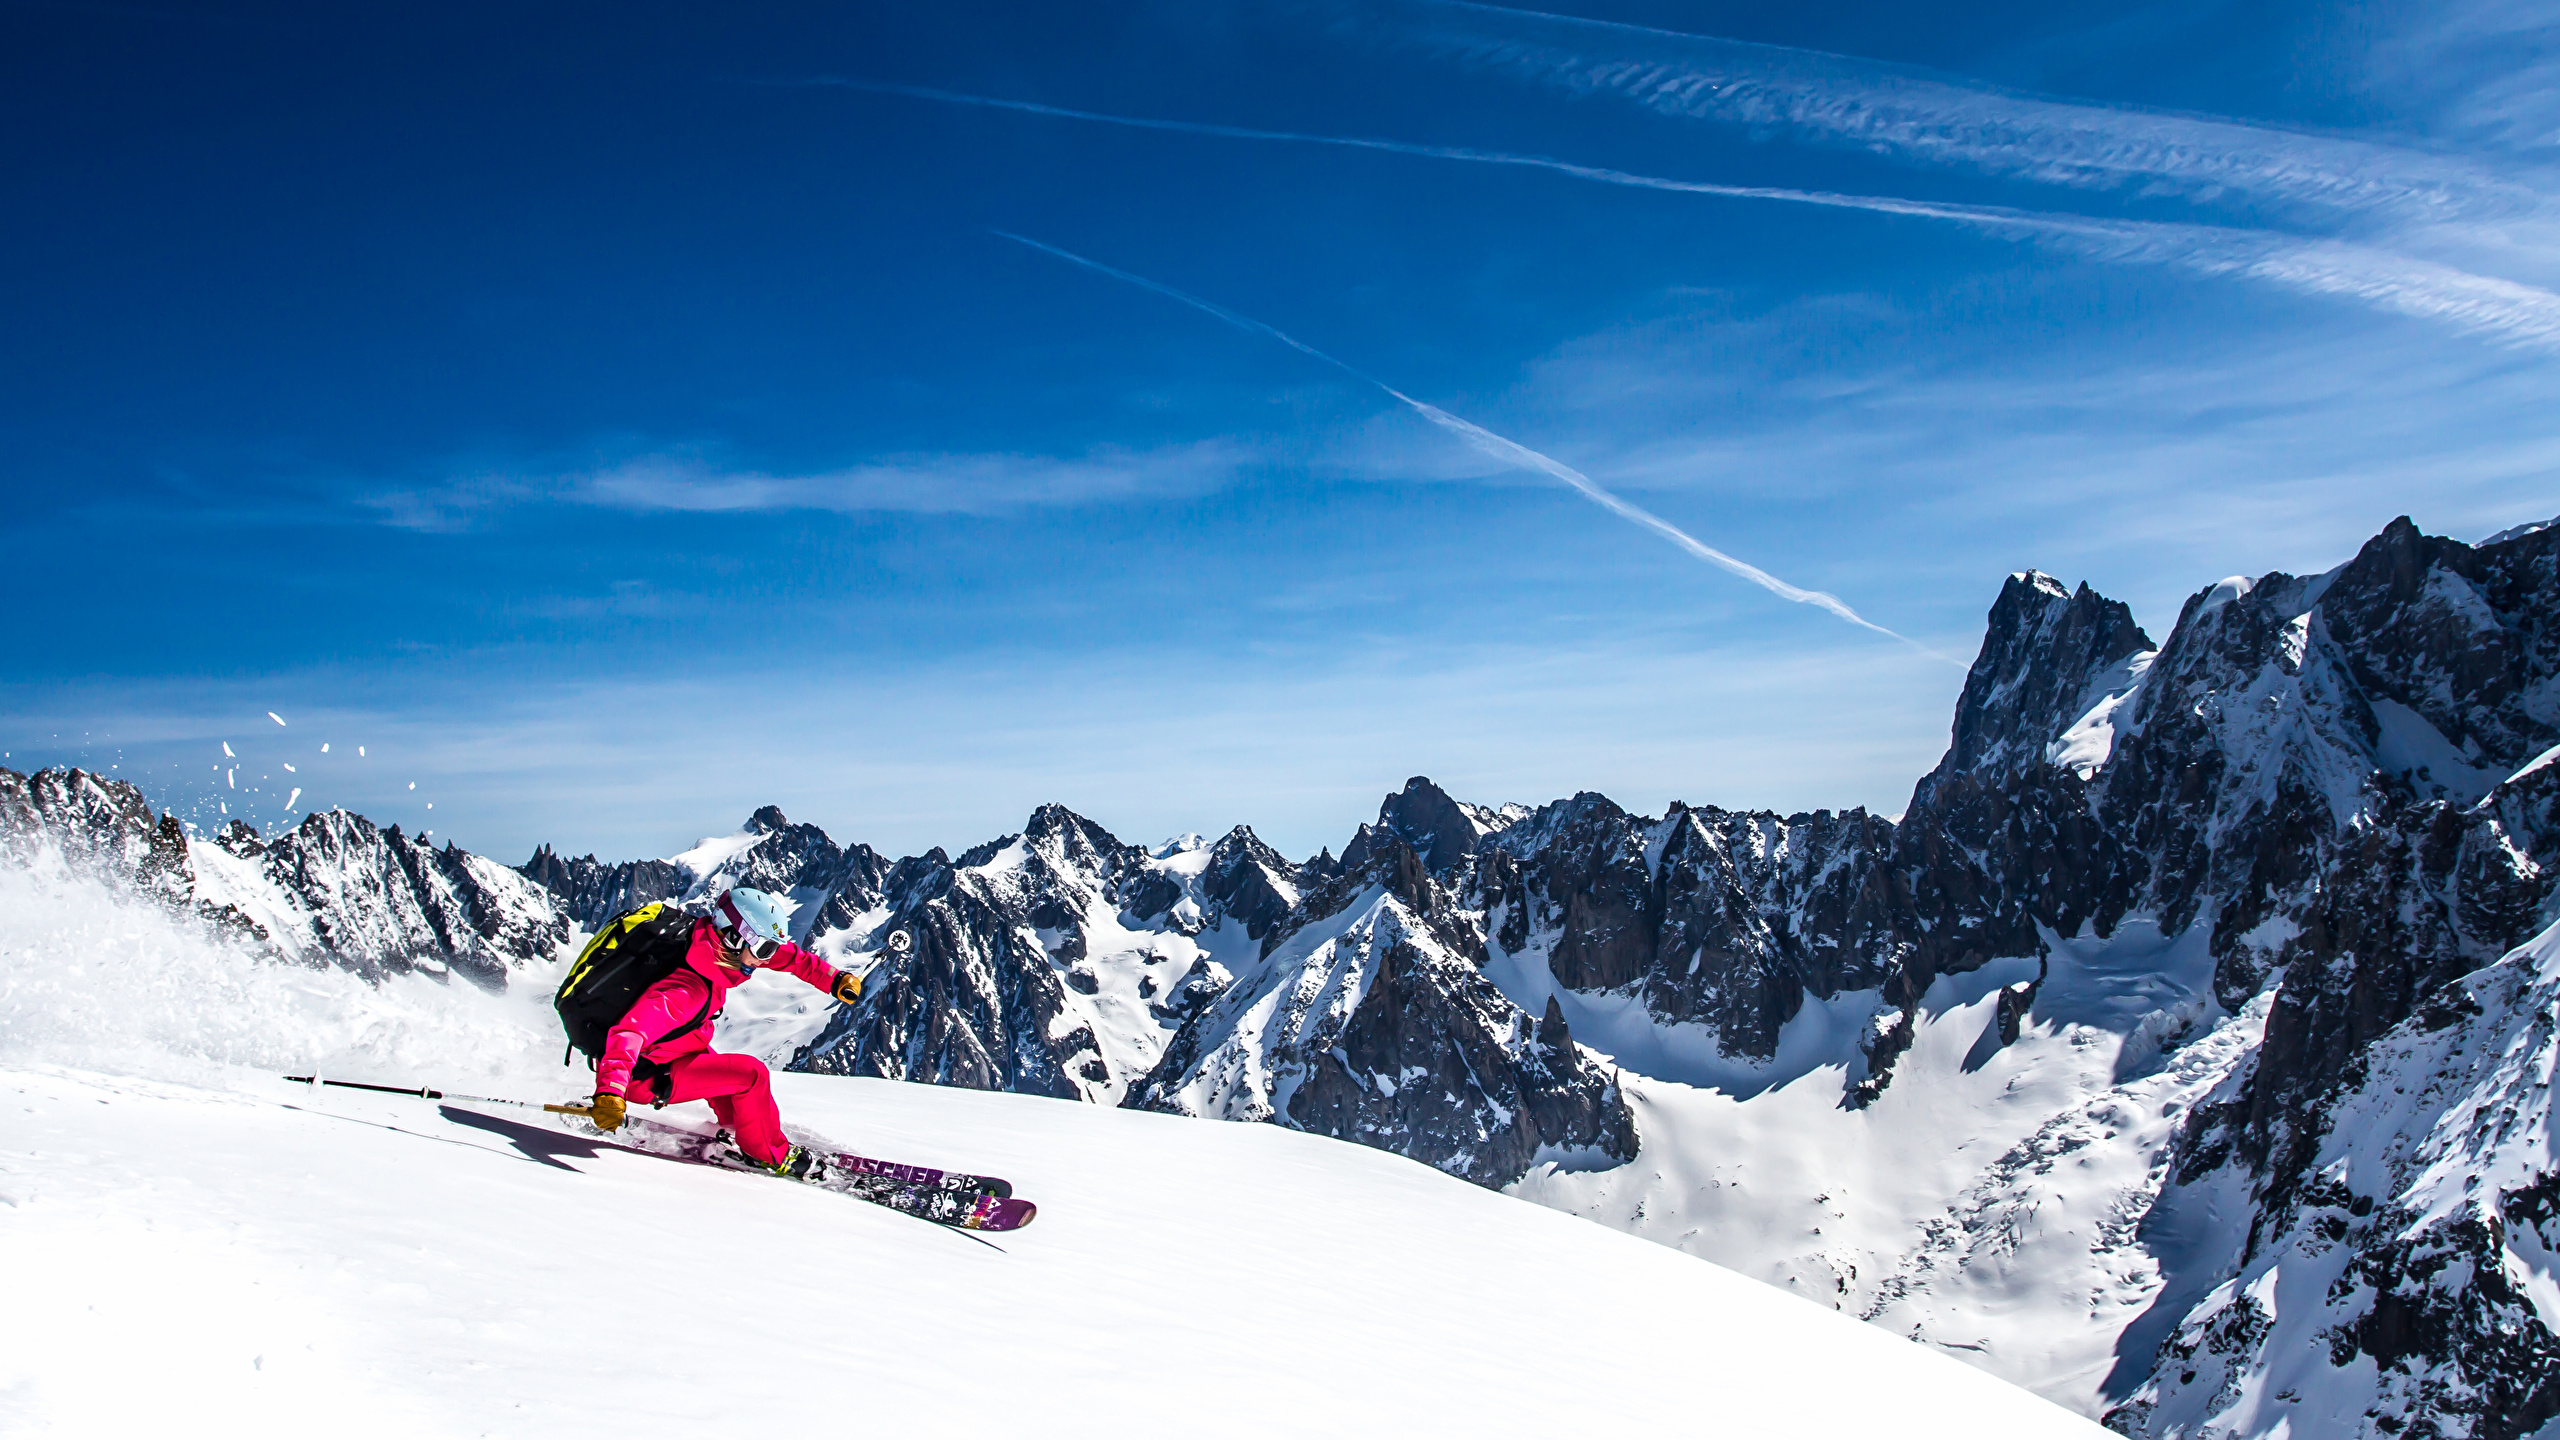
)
(568, 1109)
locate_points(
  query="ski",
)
(969, 1202)
(920, 1175)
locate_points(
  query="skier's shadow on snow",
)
(531, 1141)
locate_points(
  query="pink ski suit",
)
(738, 1087)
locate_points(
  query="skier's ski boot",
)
(798, 1164)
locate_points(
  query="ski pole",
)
(426, 1094)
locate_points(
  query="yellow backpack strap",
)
(609, 939)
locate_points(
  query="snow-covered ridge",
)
(1373, 1023)
(333, 889)
(2409, 1280)
(2518, 532)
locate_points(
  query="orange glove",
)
(606, 1111)
(848, 986)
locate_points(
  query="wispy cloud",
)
(925, 484)
(2481, 73)
(1509, 452)
(2503, 310)
(1943, 120)
(928, 484)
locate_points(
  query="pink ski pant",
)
(741, 1094)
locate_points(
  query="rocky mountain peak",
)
(2460, 637)
(767, 820)
(1250, 882)
(1066, 838)
(1440, 830)
(1319, 868)
(1068, 828)
(2048, 656)
(1389, 865)
(1363, 1020)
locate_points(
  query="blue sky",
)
(617, 417)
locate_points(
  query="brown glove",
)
(606, 1111)
(848, 986)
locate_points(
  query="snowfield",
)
(1986, 1204)
(193, 1246)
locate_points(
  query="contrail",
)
(1510, 452)
(2515, 313)
(1883, 204)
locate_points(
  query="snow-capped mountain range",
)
(2182, 1051)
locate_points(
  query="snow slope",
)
(255, 1256)
(1987, 1203)
(193, 1245)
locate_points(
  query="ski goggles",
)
(750, 946)
(740, 935)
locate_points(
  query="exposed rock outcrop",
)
(1367, 1019)
(1055, 962)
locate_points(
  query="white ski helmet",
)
(752, 921)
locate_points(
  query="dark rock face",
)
(1495, 1092)
(1249, 881)
(379, 900)
(1442, 830)
(2384, 934)
(2047, 656)
(1584, 878)
(2464, 637)
(2425, 888)
(1752, 912)
(971, 1003)
(591, 892)
(980, 998)
(1389, 1036)
(860, 889)
(2385, 1040)
(2475, 1351)
(2388, 1280)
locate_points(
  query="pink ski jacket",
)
(697, 988)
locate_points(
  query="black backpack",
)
(635, 950)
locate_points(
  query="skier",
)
(660, 1051)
